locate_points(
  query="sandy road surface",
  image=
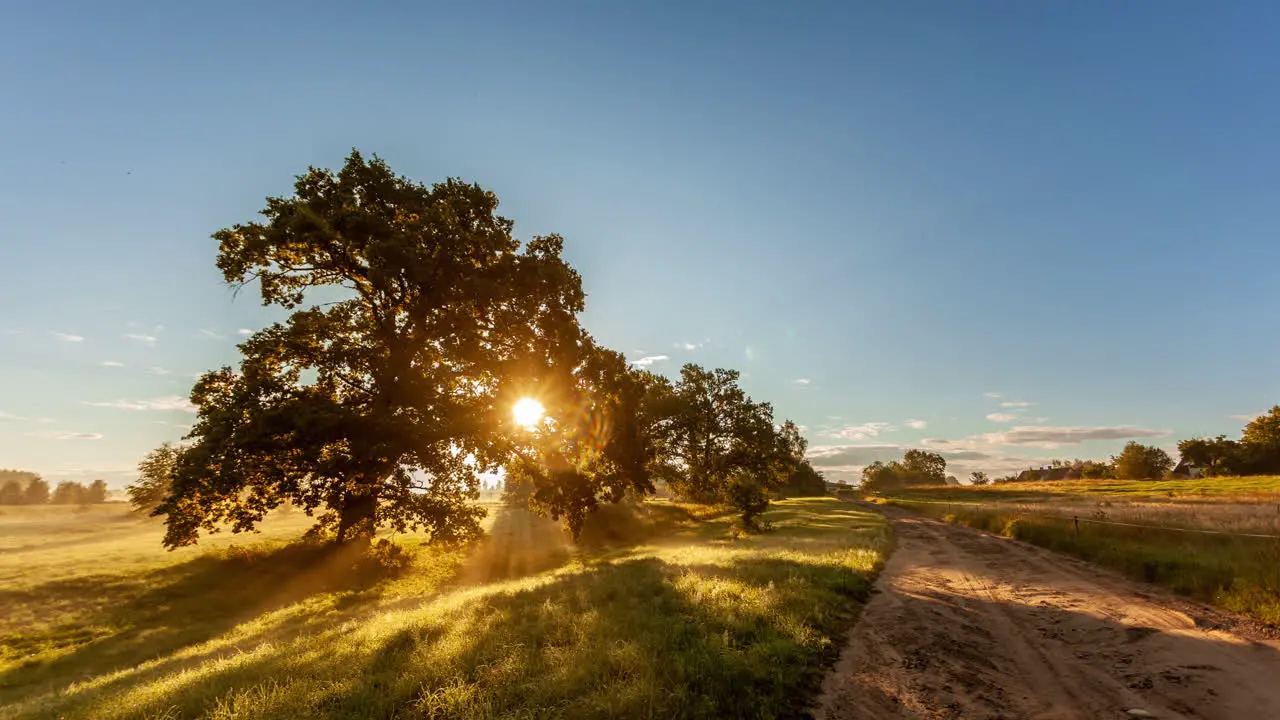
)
(971, 625)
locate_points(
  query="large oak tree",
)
(417, 320)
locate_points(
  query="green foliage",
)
(36, 492)
(1214, 456)
(1141, 462)
(725, 445)
(155, 478)
(377, 408)
(603, 439)
(917, 467)
(20, 487)
(978, 478)
(804, 481)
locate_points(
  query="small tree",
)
(924, 468)
(155, 478)
(978, 477)
(805, 482)
(1141, 462)
(69, 493)
(36, 492)
(1261, 440)
(11, 493)
(96, 493)
(882, 477)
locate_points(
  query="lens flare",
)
(528, 412)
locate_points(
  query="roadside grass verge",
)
(1241, 574)
(670, 617)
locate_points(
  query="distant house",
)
(1187, 470)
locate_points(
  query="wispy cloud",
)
(67, 337)
(916, 424)
(111, 363)
(13, 417)
(140, 337)
(69, 436)
(1016, 404)
(688, 346)
(168, 402)
(1247, 417)
(1001, 417)
(864, 431)
(994, 395)
(153, 370)
(648, 360)
(244, 331)
(1049, 437)
(801, 381)
(207, 333)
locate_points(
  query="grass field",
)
(1221, 566)
(667, 614)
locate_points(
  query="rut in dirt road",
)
(970, 625)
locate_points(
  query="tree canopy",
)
(380, 406)
(1141, 462)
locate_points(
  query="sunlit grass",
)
(666, 616)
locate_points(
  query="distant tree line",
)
(1257, 452)
(20, 487)
(379, 409)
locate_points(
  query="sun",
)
(528, 412)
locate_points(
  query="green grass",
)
(1237, 573)
(665, 615)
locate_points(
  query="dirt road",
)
(971, 625)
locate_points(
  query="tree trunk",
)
(356, 517)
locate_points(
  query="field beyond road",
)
(666, 614)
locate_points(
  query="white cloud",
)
(66, 337)
(1001, 417)
(996, 396)
(205, 332)
(1047, 437)
(1248, 417)
(916, 424)
(111, 363)
(168, 402)
(801, 381)
(688, 346)
(139, 337)
(1016, 404)
(23, 418)
(864, 431)
(153, 370)
(244, 331)
(71, 436)
(648, 360)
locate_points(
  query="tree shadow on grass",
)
(636, 638)
(128, 620)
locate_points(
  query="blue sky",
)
(1009, 231)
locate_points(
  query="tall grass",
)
(1237, 573)
(670, 616)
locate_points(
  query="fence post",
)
(1076, 520)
